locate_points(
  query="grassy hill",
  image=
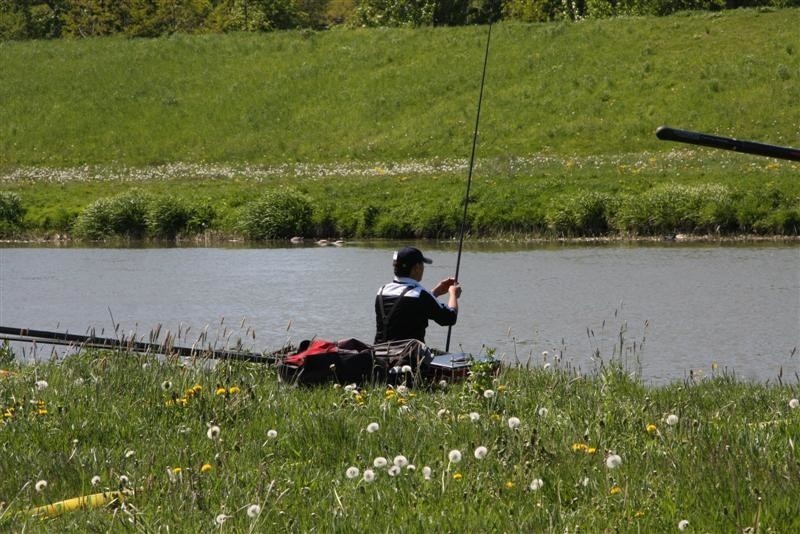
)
(577, 103)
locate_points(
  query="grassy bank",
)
(194, 444)
(375, 125)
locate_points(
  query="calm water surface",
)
(673, 308)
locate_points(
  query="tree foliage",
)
(32, 19)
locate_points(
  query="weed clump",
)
(276, 214)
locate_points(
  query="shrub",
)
(584, 214)
(95, 221)
(167, 216)
(279, 213)
(122, 215)
(11, 210)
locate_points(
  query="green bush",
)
(167, 216)
(94, 222)
(584, 214)
(11, 209)
(123, 215)
(277, 214)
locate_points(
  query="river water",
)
(675, 309)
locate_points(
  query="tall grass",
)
(715, 452)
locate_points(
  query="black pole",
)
(469, 174)
(131, 345)
(665, 133)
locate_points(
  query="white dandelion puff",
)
(454, 456)
(613, 461)
(373, 427)
(545, 354)
(585, 482)
(406, 369)
(794, 404)
(41, 384)
(351, 387)
(672, 419)
(253, 511)
(220, 519)
(394, 471)
(272, 433)
(543, 412)
(129, 453)
(536, 484)
(489, 393)
(401, 389)
(41, 486)
(427, 472)
(442, 412)
(352, 472)
(474, 417)
(400, 461)
(683, 524)
(124, 480)
(481, 452)
(380, 462)
(369, 475)
(213, 432)
(443, 384)
(166, 385)
(513, 423)
(411, 467)
(546, 366)
(95, 480)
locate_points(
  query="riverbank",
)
(535, 449)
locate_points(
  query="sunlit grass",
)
(532, 449)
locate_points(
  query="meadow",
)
(375, 126)
(540, 448)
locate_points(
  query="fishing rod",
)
(665, 133)
(27, 335)
(469, 174)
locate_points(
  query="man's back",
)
(403, 308)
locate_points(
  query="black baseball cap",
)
(408, 256)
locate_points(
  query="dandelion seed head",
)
(95, 480)
(253, 511)
(400, 461)
(406, 369)
(41, 485)
(443, 384)
(41, 384)
(474, 417)
(536, 484)
(513, 423)
(213, 432)
(481, 452)
(546, 366)
(672, 419)
(129, 453)
(411, 467)
(454, 456)
(442, 412)
(683, 524)
(380, 462)
(351, 387)
(220, 519)
(272, 433)
(352, 472)
(794, 404)
(427, 472)
(401, 389)
(394, 471)
(613, 461)
(545, 354)
(373, 427)
(542, 412)
(124, 480)
(369, 475)
(488, 394)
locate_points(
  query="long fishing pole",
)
(131, 345)
(469, 174)
(665, 133)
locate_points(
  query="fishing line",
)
(469, 174)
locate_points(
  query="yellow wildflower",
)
(197, 388)
(41, 411)
(233, 390)
(615, 490)
(495, 417)
(501, 388)
(205, 468)
(176, 470)
(651, 428)
(457, 476)
(509, 484)
(183, 401)
(401, 401)
(578, 447)
(390, 393)
(640, 513)
(359, 398)
(591, 450)
(221, 391)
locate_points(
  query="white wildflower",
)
(489, 393)
(513, 423)
(454, 456)
(443, 384)
(542, 412)
(220, 519)
(394, 471)
(411, 467)
(78, 382)
(166, 385)
(406, 369)
(213, 432)
(352, 472)
(481, 452)
(536, 484)
(253, 511)
(369, 475)
(272, 433)
(585, 482)
(380, 462)
(373, 427)
(124, 480)
(613, 461)
(41, 384)
(351, 387)
(401, 390)
(794, 404)
(683, 524)
(400, 461)
(95, 480)
(474, 417)
(129, 453)
(672, 419)
(442, 412)
(426, 472)
(41, 486)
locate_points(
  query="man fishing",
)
(403, 307)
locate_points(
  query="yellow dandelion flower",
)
(221, 391)
(591, 450)
(197, 388)
(495, 417)
(501, 388)
(578, 447)
(651, 428)
(390, 393)
(169, 402)
(457, 476)
(412, 395)
(509, 484)
(189, 392)
(205, 468)
(233, 390)
(176, 470)
(8, 414)
(183, 401)
(640, 513)
(615, 490)
(359, 398)
(401, 401)
(41, 411)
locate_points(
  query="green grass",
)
(730, 461)
(569, 108)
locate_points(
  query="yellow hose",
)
(77, 503)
